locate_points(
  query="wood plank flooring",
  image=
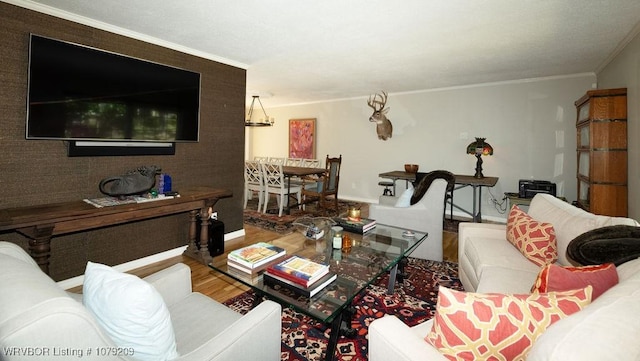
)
(221, 288)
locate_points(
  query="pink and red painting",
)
(302, 138)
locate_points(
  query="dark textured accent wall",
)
(38, 171)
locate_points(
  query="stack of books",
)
(255, 258)
(300, 275)
(364, 225)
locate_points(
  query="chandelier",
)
(265, 122)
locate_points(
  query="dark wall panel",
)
(38, 171)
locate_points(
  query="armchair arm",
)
(173, 283)
(255, 336)
(415, 217)
(391, 339)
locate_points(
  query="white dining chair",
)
(261, 159)
(294, 162)
(311, 181)
(278, 160)
(274, 182)
(253, 182)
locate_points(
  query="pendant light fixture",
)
(265, 122)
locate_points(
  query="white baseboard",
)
(145, 261)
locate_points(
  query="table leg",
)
(479, 219)
(344, 317)
(40, 244)
(392, 279)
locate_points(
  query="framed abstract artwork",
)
(302, 143)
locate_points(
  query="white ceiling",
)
(298, 51)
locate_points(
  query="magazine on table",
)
(256, 255)
(362, 226)
(300, 270)
(277, 282)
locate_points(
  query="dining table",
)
(290, 171)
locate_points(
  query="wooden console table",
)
(462, 181)
(41, 222)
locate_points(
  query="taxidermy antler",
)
(384, 128)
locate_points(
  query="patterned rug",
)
(284, 224)
(413, 301)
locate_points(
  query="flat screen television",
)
(78, 93)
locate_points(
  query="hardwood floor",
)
(221, 288)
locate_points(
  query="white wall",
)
(529, 123)
(624, 72)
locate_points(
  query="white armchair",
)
(426, 214)
(35, 314)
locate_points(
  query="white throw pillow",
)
(131, 311)
(404, 200)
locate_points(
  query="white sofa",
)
(608, 329)
(38, 317)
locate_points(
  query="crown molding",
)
(62, 14)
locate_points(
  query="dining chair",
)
(253, 182)
(311, 181)
(274, 182)
(294, 162)
(327, 186)
(279, 160)
(261, 159)
(311, 163)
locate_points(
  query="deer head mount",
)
(384, 128)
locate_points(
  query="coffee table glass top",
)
(371, 255)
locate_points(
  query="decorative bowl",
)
(411, 168)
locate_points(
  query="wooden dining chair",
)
(327, 186)
(274, 182)
(253, 182)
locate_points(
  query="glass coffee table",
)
(372, 254)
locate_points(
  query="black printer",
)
(528, 188)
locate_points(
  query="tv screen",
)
(86, 94)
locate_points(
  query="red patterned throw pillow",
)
(559, 278)
(535, 240)
(492, 326)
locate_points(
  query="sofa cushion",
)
(606, 330)
(131, 311)
(558, 278)
(494, 265)
(473, 326)
(535, 240)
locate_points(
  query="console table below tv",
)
(42, 222)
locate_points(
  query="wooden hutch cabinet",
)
(602, 151)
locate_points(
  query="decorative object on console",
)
(384, 128)
(479, 148)
(137, 181)
(265, 122)
(411, 168)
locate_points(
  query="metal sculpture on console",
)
(479, 148)
(384, 128)
(137, 181)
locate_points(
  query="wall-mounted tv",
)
(79, 93)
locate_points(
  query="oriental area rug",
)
(413, 302)
(285, 223)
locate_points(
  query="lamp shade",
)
(479, 146)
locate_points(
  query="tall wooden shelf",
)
(601, 129)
